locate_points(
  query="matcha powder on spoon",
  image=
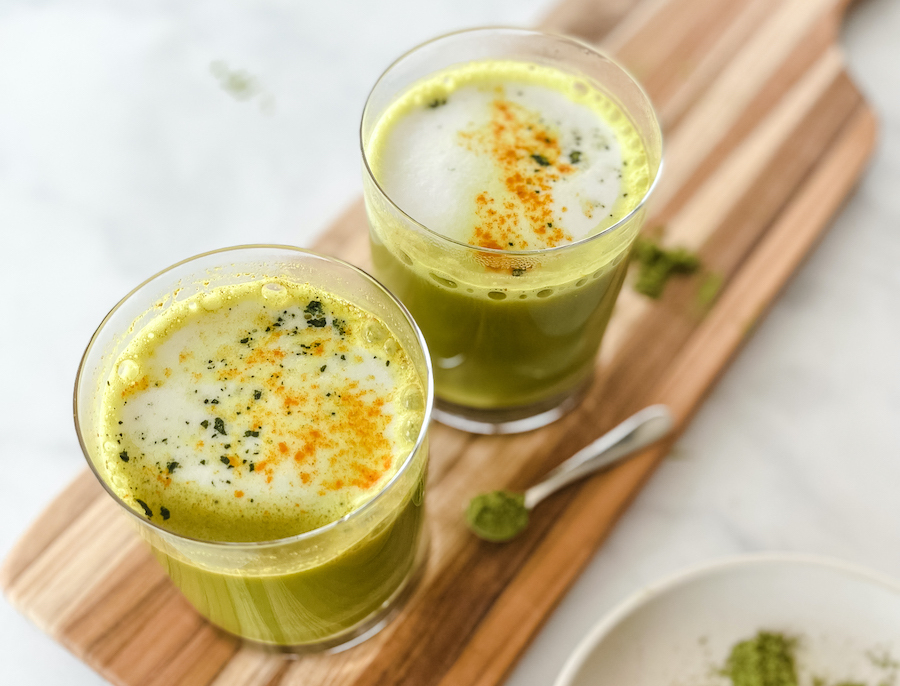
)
(497, 516)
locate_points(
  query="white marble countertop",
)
(120, 154)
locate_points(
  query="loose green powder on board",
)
(656, 265)
(709, 289)
(497, 516)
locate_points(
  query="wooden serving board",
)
(765, 136)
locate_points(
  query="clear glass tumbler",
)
(513, 334)
(317, 590)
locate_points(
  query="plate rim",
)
(645, 594)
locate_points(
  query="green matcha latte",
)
(504, 196)
(269, 433)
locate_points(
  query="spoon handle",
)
(639, 430)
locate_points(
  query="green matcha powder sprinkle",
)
(497, 516)
(656, 265)
(766, 660)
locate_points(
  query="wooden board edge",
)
(68, 505)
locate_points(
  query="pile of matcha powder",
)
(767, 660)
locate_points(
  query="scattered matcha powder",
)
(883, 660)
(656, 265)
(765, 660)
(238, 83)
(768, 660)
(242, 86)
(709, 289)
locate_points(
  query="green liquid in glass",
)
(515, 346)
(319, 603)
(528, 183)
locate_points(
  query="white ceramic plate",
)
(680, 631)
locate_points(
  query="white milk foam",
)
(434, 158)
(256, 419)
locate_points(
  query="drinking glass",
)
(316, 590)
(513, 334)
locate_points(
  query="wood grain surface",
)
(765, 137)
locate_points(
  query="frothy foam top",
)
(257, 412)
(509, 155)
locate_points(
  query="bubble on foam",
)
(412, 399)
(409, 429)
(212, 301)
(274, 293)
(128, 370)
(117, 481)
(375, 332)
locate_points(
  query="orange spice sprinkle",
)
(141, 384)
(528, 158)
(347, 431)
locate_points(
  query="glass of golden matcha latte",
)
(262, 413)
(505, 175)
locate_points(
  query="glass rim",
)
(525, 32)
(237, 545)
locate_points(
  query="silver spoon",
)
(502, 515)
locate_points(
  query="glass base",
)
(509, 420)
(368, 627)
